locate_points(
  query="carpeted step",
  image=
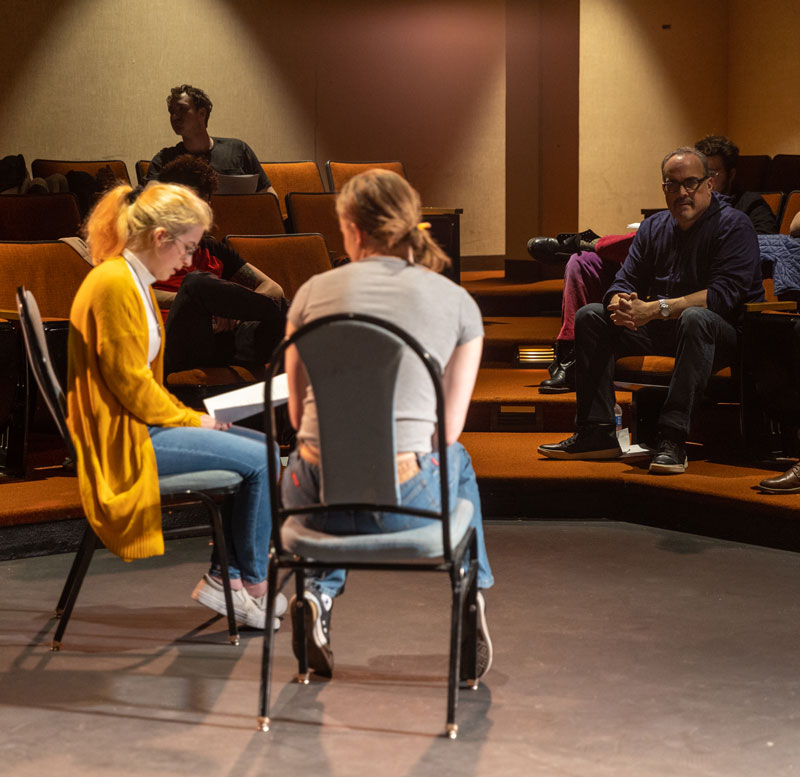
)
(506, 399)
(506, 335)
(515, 480)
(496, 295)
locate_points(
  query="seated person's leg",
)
(704, 343)
(247, 526)
(598, 342)
(587, 277)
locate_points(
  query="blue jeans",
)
(247, 524)
(300, 486)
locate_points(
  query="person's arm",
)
(252, 278)
(794, 227)
(458, 381)
(631, 312)
(297, 380)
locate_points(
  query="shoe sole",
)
(769, 490)
(554, 390)
(605, 455)
(320, 656)
(668, 469)
(483, 647)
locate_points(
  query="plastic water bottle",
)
(618, 417)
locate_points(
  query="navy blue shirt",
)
(719, 252)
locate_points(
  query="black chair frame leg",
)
(72, 587)
(221, 551)
(269, 643)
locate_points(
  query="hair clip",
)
(423, 225)
(134, 193)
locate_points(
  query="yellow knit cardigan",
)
(112, 396)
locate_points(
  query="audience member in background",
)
(127, 428)
(681, 293)
(189, 111)
(394, 275)
(591, 269)
(222, 310)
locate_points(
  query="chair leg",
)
(221, 550)
(72, 587)
(299, 623)
(469, 655)
(457, 580)
(269, 642)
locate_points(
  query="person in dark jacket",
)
(681, 292)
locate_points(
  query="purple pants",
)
(587, 277)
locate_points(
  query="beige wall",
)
(644, 90)
(764, 85)
(423, 82)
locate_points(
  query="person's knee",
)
(695, 321)
(589, 316)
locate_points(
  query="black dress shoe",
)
(670, 458)
(562, 370)
(787, 483)
(556, 250)
(588, 444)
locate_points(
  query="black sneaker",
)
(483, 646)
(317, 612)
(595, 442)
(670, 458)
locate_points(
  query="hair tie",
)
(423, 225)
(133, 194)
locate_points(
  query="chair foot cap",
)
(263, 724)
(303, 678)
(56, 614)
(452, 730)
(233, 639)
(55, 646)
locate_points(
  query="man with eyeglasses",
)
(591, 269)
(680, 292)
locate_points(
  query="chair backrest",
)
(316, 212)
(39, 216)
(774, 200)
(352, 362)
(784, 173)
(246, 214)
(751, 172)
(290, 260)
(142, 166)
(40, 363)
(52, 271)
(339, 173)
(790, 208)
(41, 168)
(287, 177)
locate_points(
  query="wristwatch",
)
(664, 308)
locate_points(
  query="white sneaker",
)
(247, 610)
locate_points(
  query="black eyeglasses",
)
(690, 184)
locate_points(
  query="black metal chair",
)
(203, 487)
(351, 356)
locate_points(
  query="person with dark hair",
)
(681, 292)
(189, 111)
(394, 275)
(222, 310)
(594, 261)
(127, 428)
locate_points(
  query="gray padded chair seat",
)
(204, 480)
(424, 542)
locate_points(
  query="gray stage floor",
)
(619, 650)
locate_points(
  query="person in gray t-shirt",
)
(394, 276)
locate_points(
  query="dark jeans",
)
(191, 341)
(701, 341)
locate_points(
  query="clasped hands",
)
(630, 311)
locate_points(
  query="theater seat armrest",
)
(759, 307)
(9, 315)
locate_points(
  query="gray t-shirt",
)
(431, 308)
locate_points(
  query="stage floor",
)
(620, 650)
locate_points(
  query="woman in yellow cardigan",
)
(127, 428)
